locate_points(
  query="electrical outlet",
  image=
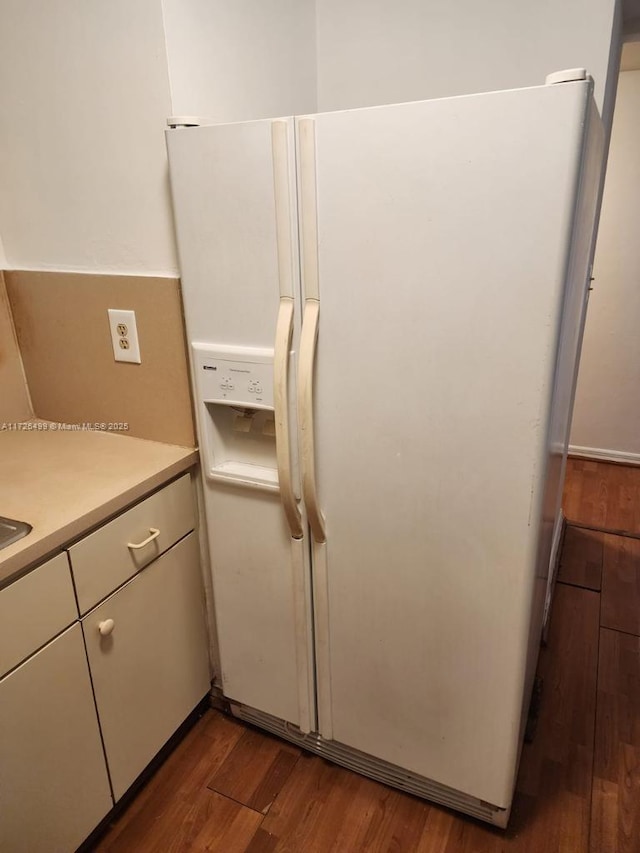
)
(124, 335)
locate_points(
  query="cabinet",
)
(34, 609)
(119, 692)
(53, 780)
(150, 667)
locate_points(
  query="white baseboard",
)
(600, 455)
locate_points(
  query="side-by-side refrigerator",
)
(384, 309)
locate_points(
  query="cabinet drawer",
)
(105, 559)
(34, 609)
(151, 666)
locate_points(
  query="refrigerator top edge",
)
(585, 85)
(553, 80)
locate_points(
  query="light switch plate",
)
(124, 335)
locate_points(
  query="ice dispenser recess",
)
(234, 386)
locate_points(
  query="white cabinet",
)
(53, 780)
(150, 665)
(145, 649)
(34, 609)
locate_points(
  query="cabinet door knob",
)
(106, 627)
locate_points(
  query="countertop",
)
(64, 482)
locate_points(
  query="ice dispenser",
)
(235, 406)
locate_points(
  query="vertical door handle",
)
(305, 417)
(309, 336)
(284, 326)
(284, 332)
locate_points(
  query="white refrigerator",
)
(384, 309)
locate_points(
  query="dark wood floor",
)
(603, 496)
(227, 787)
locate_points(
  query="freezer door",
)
(443, 233)
(234, 199)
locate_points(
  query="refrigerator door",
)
(234, 203)
(443, 236)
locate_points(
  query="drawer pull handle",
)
(106, 627)
(154, 535)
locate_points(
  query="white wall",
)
(384, 51)
(607, 408)
(83, 103)
(240, 60)
(87, 87)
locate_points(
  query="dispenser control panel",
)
(234, 376)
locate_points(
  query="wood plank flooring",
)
(616, 788)
(228, 787)
(603, 496)
(621, 584)
(582, 557)
(255, 770)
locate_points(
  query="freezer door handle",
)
(309, 335)
(308, 340)
(284, 326)
(284, 333)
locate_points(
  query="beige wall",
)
(63, 333)
(14, 398)
(607, 411)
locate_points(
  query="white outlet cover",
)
(124, 335)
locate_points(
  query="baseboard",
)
(598, 454)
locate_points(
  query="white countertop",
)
(64, 482)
